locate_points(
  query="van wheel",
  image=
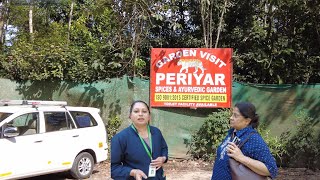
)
(82, 166)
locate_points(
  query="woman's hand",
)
(158, 162)
(138, 174)
(234, 151)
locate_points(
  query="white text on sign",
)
(186, 79)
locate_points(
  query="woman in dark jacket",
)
(139, 151)
(254, 154)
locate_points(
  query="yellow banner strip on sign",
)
(178, 97)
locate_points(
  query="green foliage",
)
(301, 143)
(205, 142)
(44, 60)
(112, 38)
(112, 126)
(271, 35)
(274, 143)
(140, 65)
(86, 53)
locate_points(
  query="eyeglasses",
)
(235, 115)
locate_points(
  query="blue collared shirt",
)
(127, 153)
(254, 148)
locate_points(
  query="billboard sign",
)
(191, 77)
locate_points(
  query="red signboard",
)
(191, 77)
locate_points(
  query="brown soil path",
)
(188, 170)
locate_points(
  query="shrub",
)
(302, 144)
(113, 125)
(204, 143)
(275, 143)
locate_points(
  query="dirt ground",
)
(188, 170)
(198, 170)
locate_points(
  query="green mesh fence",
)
(276, 104)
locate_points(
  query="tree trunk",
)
(203, 21)
(70, 19)
(210, 29)
(220, 22)
(3, 18)
(31, 21)
(134, 43)
(1, 22)
(207, 21)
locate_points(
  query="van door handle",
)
(75, 135)
(38, 141)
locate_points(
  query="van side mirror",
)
(11, 132)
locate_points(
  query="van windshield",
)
(3, 116)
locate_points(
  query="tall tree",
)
(221, 21)
(4, 10)
(207, 21)
(271, 35)
(70, 20)
(94, 40)
(31, 19)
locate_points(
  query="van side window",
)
(58, 121)
(27, 124)
(3, 116)
(83, 119)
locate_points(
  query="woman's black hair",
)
(138, 101)
(248, 110)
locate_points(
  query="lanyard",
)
(144, 143)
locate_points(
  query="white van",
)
(42, 137)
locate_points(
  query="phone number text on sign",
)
(177, 97)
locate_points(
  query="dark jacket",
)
(127, 153)
(255, 148)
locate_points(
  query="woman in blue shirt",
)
(254, 154)
(139, 151)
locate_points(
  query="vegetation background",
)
(274, 41)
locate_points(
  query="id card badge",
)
(152, 171)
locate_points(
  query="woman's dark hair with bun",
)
(248, 110)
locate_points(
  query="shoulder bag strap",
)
(242, 143)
